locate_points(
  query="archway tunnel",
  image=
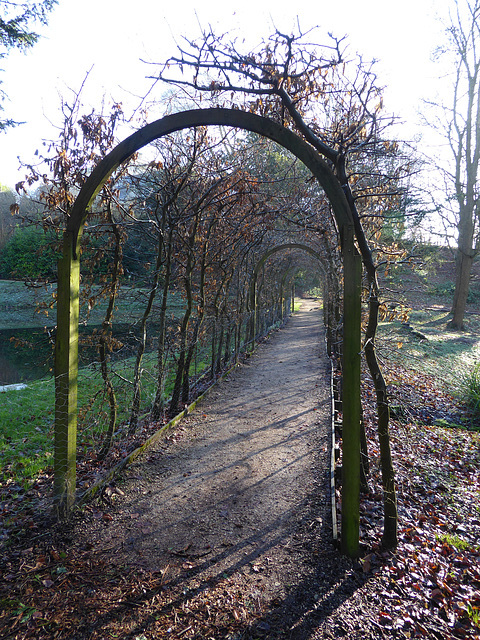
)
(179, 238)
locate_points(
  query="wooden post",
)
(352, 276)
(252, 305)
(66, 372)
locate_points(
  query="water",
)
(28, 354)
(25, 354)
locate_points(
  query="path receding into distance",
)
(241, 487)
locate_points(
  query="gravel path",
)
(240, 488)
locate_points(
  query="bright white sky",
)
(114, 35)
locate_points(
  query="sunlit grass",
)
(452, 540)
(26, 434)
(426, 345)
(27, 307)
(27, 415)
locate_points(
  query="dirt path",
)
(240, 489)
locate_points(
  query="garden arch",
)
(252, 293)
(66, 347)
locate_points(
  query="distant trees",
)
(25, 250)
(459, 122)
(8, 206)
(16, 23)
(28, 254)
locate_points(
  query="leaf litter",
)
(428, 588)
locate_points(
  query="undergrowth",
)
(470, 385)
(451, 358)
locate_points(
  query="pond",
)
(25, 354)
(28, 354)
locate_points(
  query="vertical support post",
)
(282, 300)
(252, 305)
(352, 276)
(66, 373)
(293, 296)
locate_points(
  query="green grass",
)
(26, 437)
(474, 613)
(27, 415)
(453, 541)
(427, 346)
(28, 307)
(470, 389)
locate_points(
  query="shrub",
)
(29, 253)
(471, 393)
(447, 289)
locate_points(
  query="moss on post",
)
(66, 371)
(351, 396)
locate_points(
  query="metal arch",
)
(66, 346)
(201, 117)
(252, 290)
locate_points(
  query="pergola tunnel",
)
(348, 297)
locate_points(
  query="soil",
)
(240, 492)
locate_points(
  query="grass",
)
(26, 438)
(453, 541)
(26, 307)
(470, 383)
(27, 415)
(426, 345)
(474, 613)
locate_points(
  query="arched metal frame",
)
(252, 293)
(66, 349)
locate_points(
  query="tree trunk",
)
(177, 387)
(112, 402)
(390, 538)
(464, 263)
(213, 348)
(218, 357)
(103, 346)
(227, 354)
(143, 341)
(188, 360)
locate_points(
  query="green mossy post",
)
(66, 371)
(352, 277)
(252, 306)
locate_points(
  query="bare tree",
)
(460, 123)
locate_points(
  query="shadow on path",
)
(239, 494)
